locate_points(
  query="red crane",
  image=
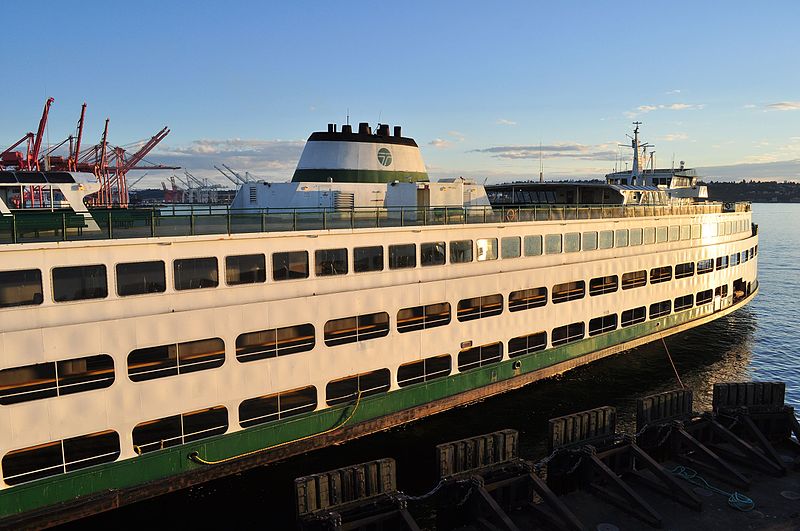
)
(30, 160)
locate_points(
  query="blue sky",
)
(479, 85)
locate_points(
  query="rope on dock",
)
(195, 455)
(669, 356)
(737, 500)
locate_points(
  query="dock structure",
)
(694, 468)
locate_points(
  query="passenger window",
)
(79, 283)
(245, 269)
(520, 346)
(589, 241)
(290, 265)
(636, 237)
(402, 256)
(572, 242)
(552, 244)
(424, 370)
(621, 237)
(263, 409)
(568, 333)
(533, 245)
(606, 239)
(474, 357)
(510, 247)
(138, 278)
(487, 249)
(196, 273)
(348, 389)
(180, 429)
(368, 259)
(460, 251)
(432, 254)
(649, 235)
(274, 342)
(330, 262)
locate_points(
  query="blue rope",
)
(737, 500)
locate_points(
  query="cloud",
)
(672, 137)
(749, 106)
(503, 121)
(775, 170)
(784, 106)
(644, 109)
(440, 143)
(564, 151)
(674, 91)
(276, 158)
(459, 137)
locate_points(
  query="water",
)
(757, 342)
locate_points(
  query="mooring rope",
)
(669, 356)
(195, 456)
(737, 500)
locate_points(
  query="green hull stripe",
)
(357, 176)
(169, 462)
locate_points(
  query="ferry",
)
(147, 350)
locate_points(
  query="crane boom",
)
(33, 158)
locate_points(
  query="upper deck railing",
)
(191, 220)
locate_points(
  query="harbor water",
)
(757, 342)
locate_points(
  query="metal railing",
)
(189, 220)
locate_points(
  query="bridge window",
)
(347, 389)
(138, 278)
(424, 370)
(603, 285)
(290, 265)
(480, 307)
(274, 342)
(179, 429)
(660, 274)
(330, 262)
(20, 288)
(600, 325)
(55, 378)
(734, 261)
(358, 328)
(533, 245)
(660, 309)
(705, 266)
(569, 291)
(686, 232)
(432, 254)
(402, 256)
(519, 346)
(721, 291)
(196, 273)
(263, 409)
(621, 237)
(510, 247)
(59, 457)
(722, 262)
(674, 233)
(684, 303)
(487, 249)
(684, 270)
(460, 251)
(568, 333)
(552, 244)
(661, 234)
(423, 317)
(696, 231)
(181, 358)
(525, 299)
(245, 269)
(368, 259)
(633, 316)
(472, 358)
(634, 279)
(79, 283)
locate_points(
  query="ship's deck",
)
(34, 226)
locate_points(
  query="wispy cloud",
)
(503, 121)
(644, 109)
(672, 137)
(673, 91)
(457, 136)
(784, 106)
(272, 157)
(563, 151)
(440, 143)
(749, 106)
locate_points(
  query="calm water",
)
(757, 342)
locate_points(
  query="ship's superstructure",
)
(158, 351)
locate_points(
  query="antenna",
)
(348, 116)
(541, 167)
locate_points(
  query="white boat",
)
(142, 352)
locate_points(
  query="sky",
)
(478, 85)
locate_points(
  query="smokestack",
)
(383, 130)
(397, 131)
(363, 129)
(347, 129)
(331, 128)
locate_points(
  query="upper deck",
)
(48, 226)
